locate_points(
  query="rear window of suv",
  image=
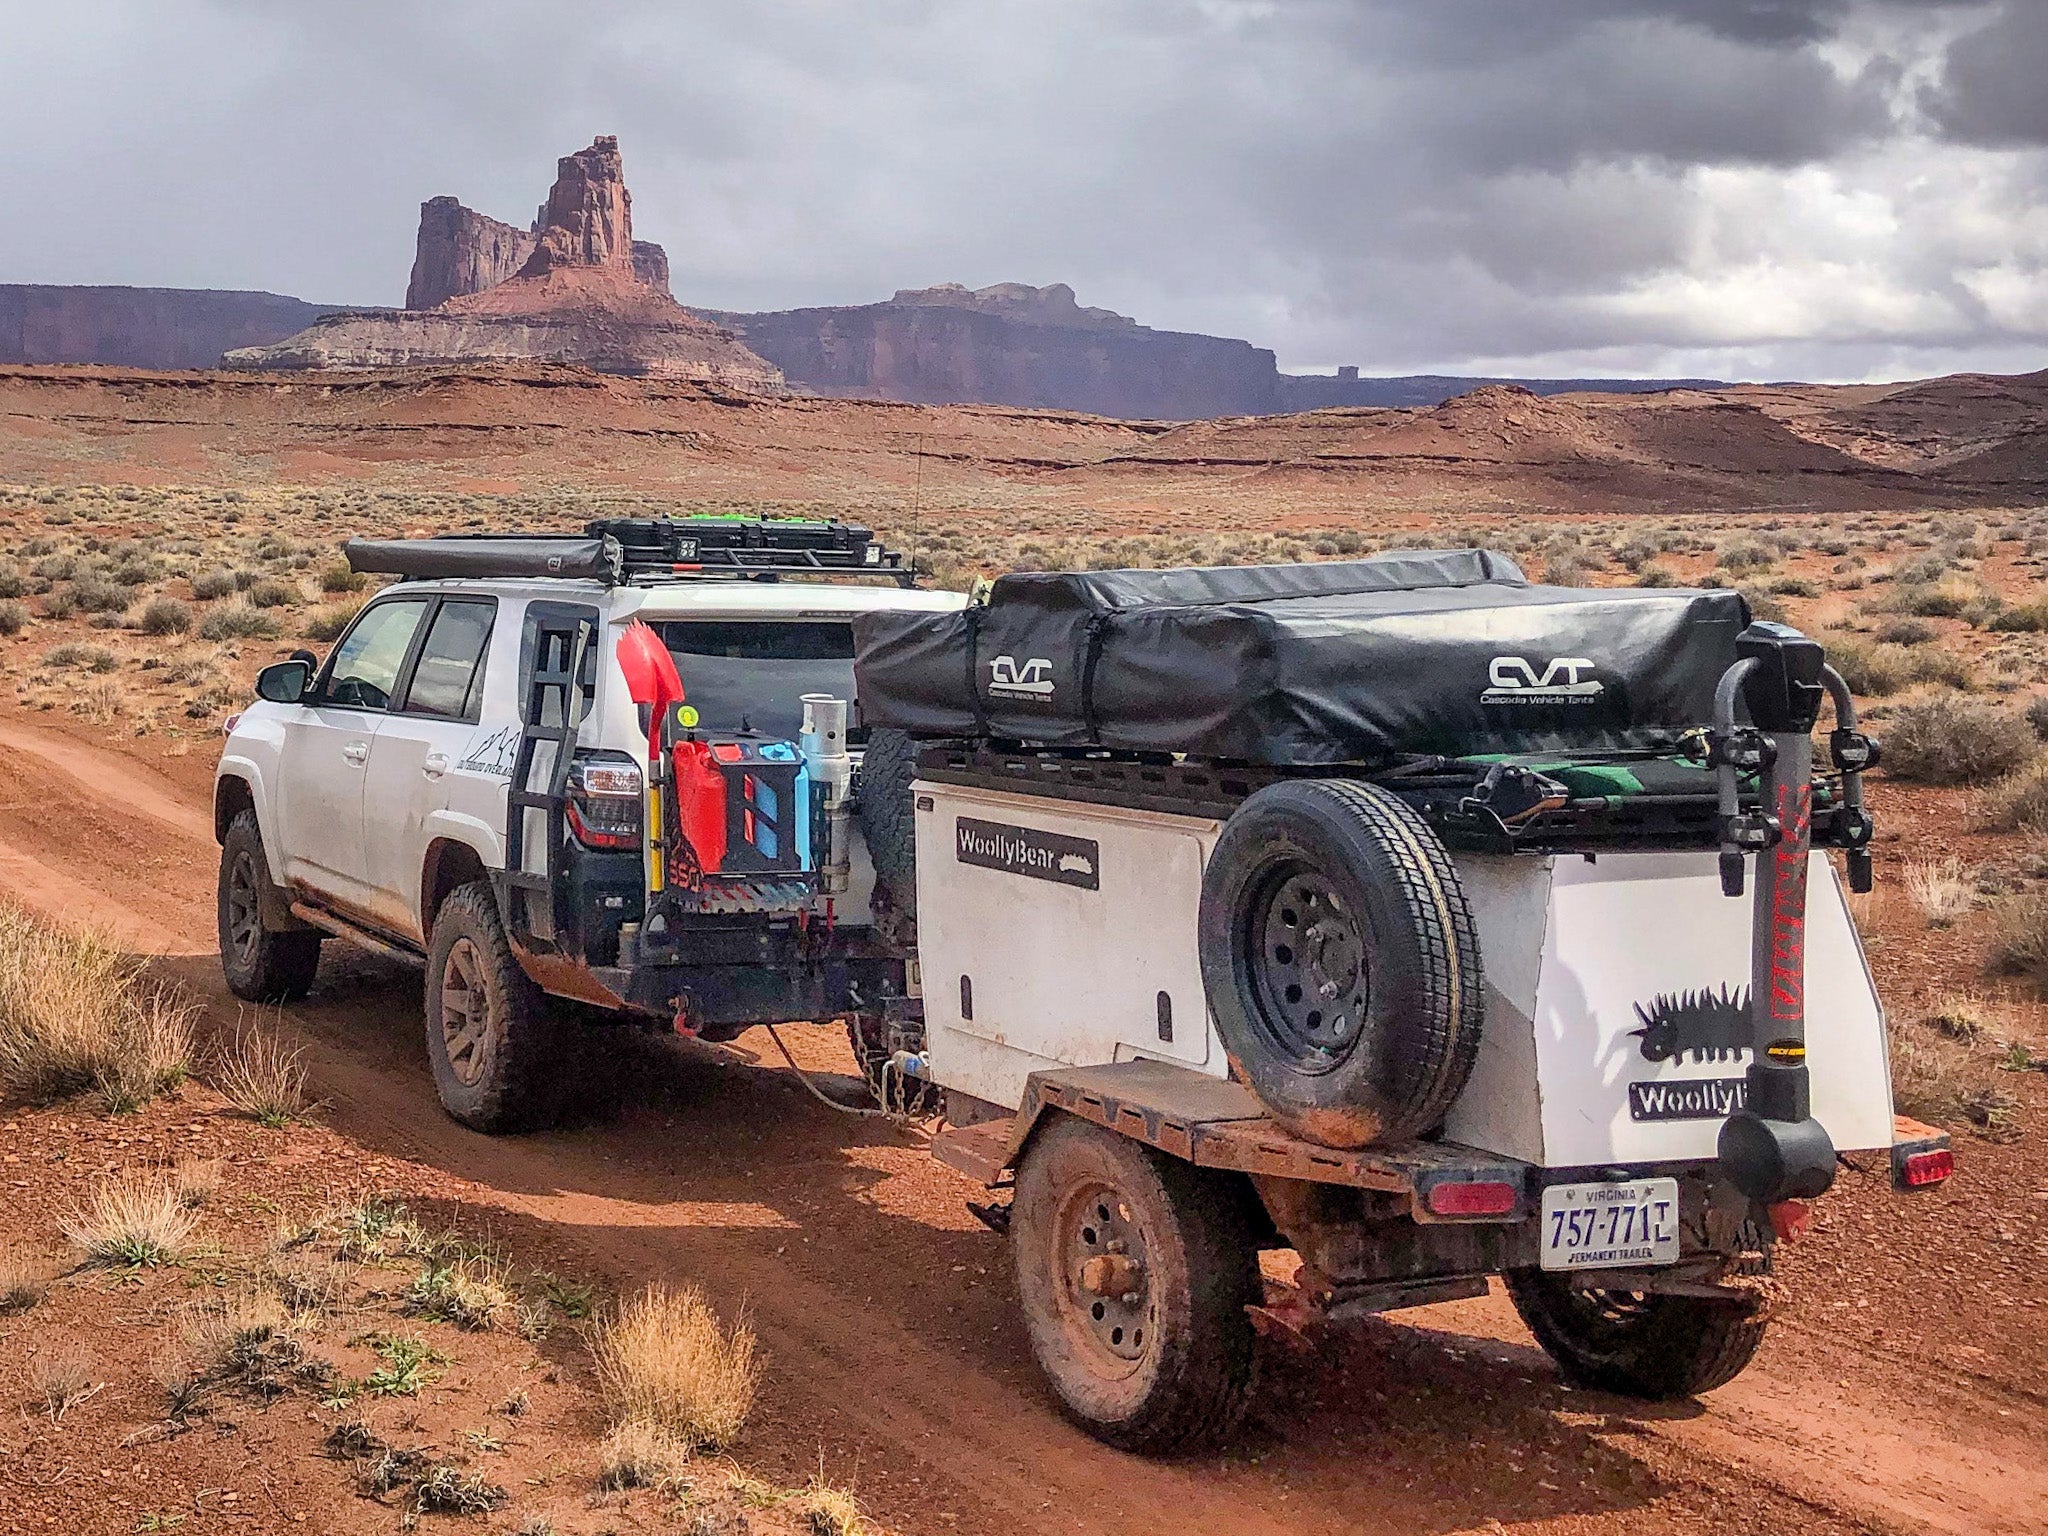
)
(751, 674)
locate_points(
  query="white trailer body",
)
(1057, 933)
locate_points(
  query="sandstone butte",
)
(576, 288)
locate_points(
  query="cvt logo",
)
(1515, 680)
(1029, 680)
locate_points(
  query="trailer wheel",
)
(489, 1035)
(1134, 1271)
(263, 965)
(1341, 962)
(1636, 1344)
(887, 817)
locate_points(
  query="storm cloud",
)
(1745, 188)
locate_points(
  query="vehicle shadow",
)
(896, 1353)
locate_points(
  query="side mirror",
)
(284, 682)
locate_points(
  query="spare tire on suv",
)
(888, 820)
(1341, 962)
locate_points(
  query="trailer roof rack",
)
(644, 551)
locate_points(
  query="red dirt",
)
(1901, 1392)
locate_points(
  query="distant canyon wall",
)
(142, 327)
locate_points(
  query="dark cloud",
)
(1706, 185)
(1994, 85)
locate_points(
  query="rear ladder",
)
(560, 638)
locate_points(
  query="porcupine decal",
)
(1713, 1026)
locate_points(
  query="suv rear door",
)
(416, 774)
(321, 769)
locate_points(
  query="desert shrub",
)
(131, 1222)
(2019, 936)
(262, 1077)
(1871, 671)
(272, 593)
(1792, 586)
(208, 585)
(1937, 664)
(1906, 632)
(2021, 618)
(1746, 555)
(22, 1283)
(2037, 715)
(325, 624)
(2020, 801)
(14, 582)
(75, 1014)
(663, 1358)
(136, 571)
(59, 604)
(1764, 606)
(1656, 574)
(1955, 740)
(337, 577)
(92, 594)
(165, 616)
(74, 656)
(238, 621)
(1567, 570)
(13, 618)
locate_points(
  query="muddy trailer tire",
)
(1341, 961)
(261, 964)
(1649, 1346)
(490, 1035)
(1134, 1271)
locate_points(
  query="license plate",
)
(1604, 1226)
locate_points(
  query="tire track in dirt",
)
(888, 1316)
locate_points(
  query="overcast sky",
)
(1827, 189)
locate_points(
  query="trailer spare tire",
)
(1341, 962)
(887, 819)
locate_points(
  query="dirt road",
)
(886, 1311)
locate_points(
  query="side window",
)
(364, 667)
(448, 677)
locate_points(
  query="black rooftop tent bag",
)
(1451, 652)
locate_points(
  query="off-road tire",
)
(1341, 962)
(888, 820)
(1649, 1346)
(1193, 1365)
(262, 965)
(503, 1081)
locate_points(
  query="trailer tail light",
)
(604, 803)
(1921, 1157)
(1917, 1170)
(1471, 1199)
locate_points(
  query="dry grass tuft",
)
(1941, 889)
(1959, 1017)
(2019, 936)
(263, 1077)
(135, 1221)
(830, 1511)
(468, 1290)
(75, 1014)
(61, 1380)
(663, 1358)
(21, 1283)
(2019, 803)
(637, 1454)
(197, 1180)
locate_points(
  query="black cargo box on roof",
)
(487, 557)
(1449, 652)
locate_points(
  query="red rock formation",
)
(587, 220)
(587, 292)
(462, 251)
(142, 327)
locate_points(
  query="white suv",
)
(372, 796)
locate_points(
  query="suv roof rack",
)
(644, 551)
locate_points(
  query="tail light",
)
(605, 796)
(1471, 1199)
(1917, 1170)
(1921, 1157)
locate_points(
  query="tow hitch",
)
(1772, 1148)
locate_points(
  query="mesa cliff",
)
(142, 327)
(575, 288)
